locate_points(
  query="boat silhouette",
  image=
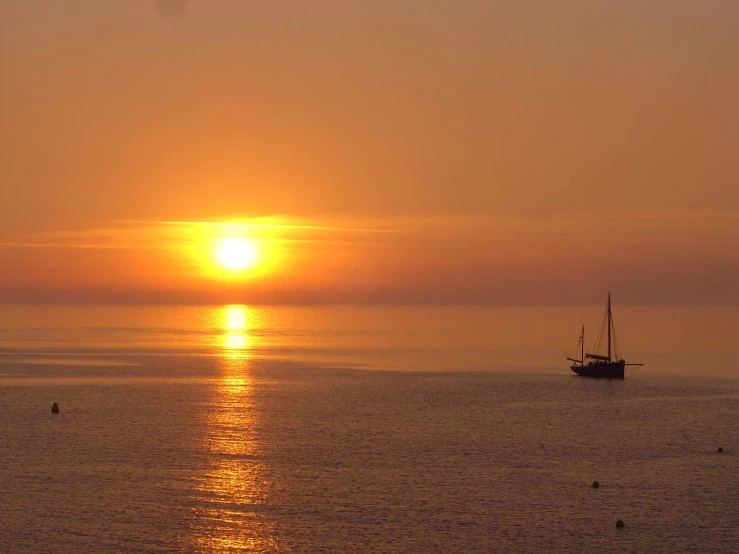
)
(598, 365)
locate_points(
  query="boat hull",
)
(601, 370)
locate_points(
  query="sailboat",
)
(597, 365)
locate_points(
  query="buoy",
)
(55, 408)
(720, 449)
(596, 484)
(620, 524)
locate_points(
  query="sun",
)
(236, 253)
(233, 252)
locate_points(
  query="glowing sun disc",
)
(235, 254)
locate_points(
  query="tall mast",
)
(582, 346)
(609, 326)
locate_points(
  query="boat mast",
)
(609, 326)
(582, 346)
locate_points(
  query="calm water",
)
(364, 430)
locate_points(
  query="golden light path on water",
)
(233, 485)
(236, 336)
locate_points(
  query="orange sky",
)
(400, 151)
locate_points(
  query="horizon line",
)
(365, 304)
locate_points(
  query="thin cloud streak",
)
(671, 229)
(660, 257)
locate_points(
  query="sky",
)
(376, 152)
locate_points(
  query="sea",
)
(416, 429)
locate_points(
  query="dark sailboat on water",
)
(597, 365)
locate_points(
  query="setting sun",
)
(232, 251)
(235, 254)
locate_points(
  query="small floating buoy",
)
(55, 408)
(596, 484)
(720, 449)
(620, 524)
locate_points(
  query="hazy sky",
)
(467, 151)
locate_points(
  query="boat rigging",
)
(597, 365)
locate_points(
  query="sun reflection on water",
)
(236, 332)
(232, 488)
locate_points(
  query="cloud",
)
(172, 8)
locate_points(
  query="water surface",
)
(230, 429)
